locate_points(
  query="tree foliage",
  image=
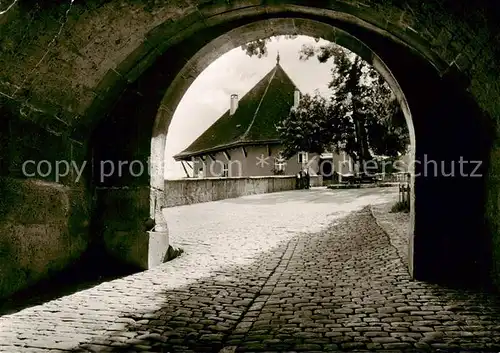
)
(370, 120)
(303, 128)
(258, 47)
(362, 117)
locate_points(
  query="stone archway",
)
(244, 34)
(101, 70)
(435, 98)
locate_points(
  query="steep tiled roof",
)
(254, 121)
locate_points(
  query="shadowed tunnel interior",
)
(117, 107)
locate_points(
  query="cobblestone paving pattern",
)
(342, 288)
(396, 225)
(235, 231)
(214, 236)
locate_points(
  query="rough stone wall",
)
(43, 228)
(125, 236)
(44, 220)
(62, 58)
(190, 191)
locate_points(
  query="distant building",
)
(244, 140)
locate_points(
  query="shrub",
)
(278, 172)
(400, 206)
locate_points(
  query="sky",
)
(208, 97)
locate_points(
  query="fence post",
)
(408, 195)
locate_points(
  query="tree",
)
(303, 129)
(388, 132)
(316, 125)
(358, 91)
(259, 47)
(362, 117)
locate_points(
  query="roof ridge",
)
(289, 78)
(254, 119)
(258, 107)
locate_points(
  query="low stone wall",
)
(189, 191)
(43, 229)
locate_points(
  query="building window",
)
(225, 171)
(279, 164)
(303, 157)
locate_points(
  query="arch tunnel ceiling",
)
(64, 65)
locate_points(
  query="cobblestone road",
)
(326, 288)
(396, 225)
(236, 231)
